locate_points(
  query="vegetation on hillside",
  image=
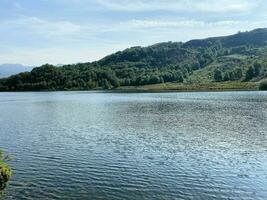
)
(237, 58)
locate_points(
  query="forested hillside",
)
(7, 70)
(236, 58)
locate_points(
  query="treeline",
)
(49, 77)
(253, 71)
(166, 62)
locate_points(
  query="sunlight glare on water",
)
(94, 145)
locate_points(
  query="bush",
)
(5, 172)
(218, 75)
(263, 85)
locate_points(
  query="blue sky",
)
(34, 32)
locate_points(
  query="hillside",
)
(239, 58)
(7, 70)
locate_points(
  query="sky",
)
(35, 32)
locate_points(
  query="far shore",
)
(175, 87)
(195, 87)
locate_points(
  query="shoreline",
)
(168, 87)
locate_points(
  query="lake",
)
(99, 145)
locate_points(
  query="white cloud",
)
(177, 23)
(40, 26)
(181, 5)
(56, 55)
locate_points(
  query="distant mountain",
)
(11, 69)
(241, 57)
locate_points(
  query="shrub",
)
(263, 85)
(5, 172)
(218, 75)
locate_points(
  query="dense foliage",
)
(263, 85)
(5, 172)
(240, 57)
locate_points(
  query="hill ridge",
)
(239, 57)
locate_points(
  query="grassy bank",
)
(215, 86)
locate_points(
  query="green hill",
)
(255, 37)
(236, 61)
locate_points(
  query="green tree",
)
(218, 75)
(263, 85)
(257, 69)
(238, 74)
(226, 76)
(106, 84)
(250, 73)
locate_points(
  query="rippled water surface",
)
(92, 145)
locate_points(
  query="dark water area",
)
(94, 145)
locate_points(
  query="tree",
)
(218, 75)
(154, 79)
(238, 74)
(106, 84)
(181, 79)
(250, 73)
(226, 76)
(195, 65)
(127, 82)
(263, 85)
(257, 69)
(115, 82)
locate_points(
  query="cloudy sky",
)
(34, 32)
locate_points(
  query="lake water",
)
(94, 145)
